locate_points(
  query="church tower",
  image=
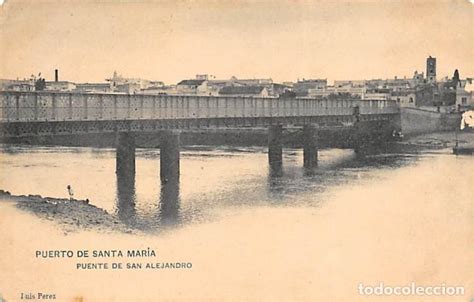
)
(431, 70)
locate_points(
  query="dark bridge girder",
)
(42, 128)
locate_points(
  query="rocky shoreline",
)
(71, 215)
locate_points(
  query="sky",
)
(285, 40)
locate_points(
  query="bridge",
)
(57, 113)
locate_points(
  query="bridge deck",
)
(45, 113)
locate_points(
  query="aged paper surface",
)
(395, 224)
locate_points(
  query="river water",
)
(213, 180)
(252, 234)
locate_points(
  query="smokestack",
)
(56, 75)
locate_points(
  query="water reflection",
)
(309, 171)
(293, 182)
(275, 185)
(275, 170)
(126, 197)
(169, 206)
(212, 180)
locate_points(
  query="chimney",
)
(56, 75)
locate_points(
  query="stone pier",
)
(275, 146)
(310, 148)
(169, 156)
(125, 153)
(125, 172)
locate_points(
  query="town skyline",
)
(167, 41)
(49, 75)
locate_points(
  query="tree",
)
(40, 84)
(456, 75)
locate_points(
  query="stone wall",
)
(417, 121)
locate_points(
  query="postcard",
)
(236, 150)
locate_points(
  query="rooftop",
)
(229, 90)
(58, 82)
(93, 84)
(191, 82)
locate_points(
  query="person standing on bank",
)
(71, 192)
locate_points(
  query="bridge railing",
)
(57, 106)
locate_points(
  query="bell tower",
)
(431, 70)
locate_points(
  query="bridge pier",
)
(275, 147)
(169, 156)
(125, 153)
(362, 138)
(169, 202)
(126, 197)
(310, 148)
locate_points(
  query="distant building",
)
(129, 88)
(377, 95)
(346, 88)
(93, 87)
(302, 87)
(357, 83)
(276, 89)
(464, 98)
(4, 83)
(59, 86)
(206, 77)
(215, 85)
(119, 83)
(254, 91)
(251, 82)
(337, 90)
(418, 78)
(23, 85)
(457, 86)
(405, 98)
(427, 95)
(431, 70)
(192, 87)
(162, 90)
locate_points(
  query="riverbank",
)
(439, 140)
(69, 215)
